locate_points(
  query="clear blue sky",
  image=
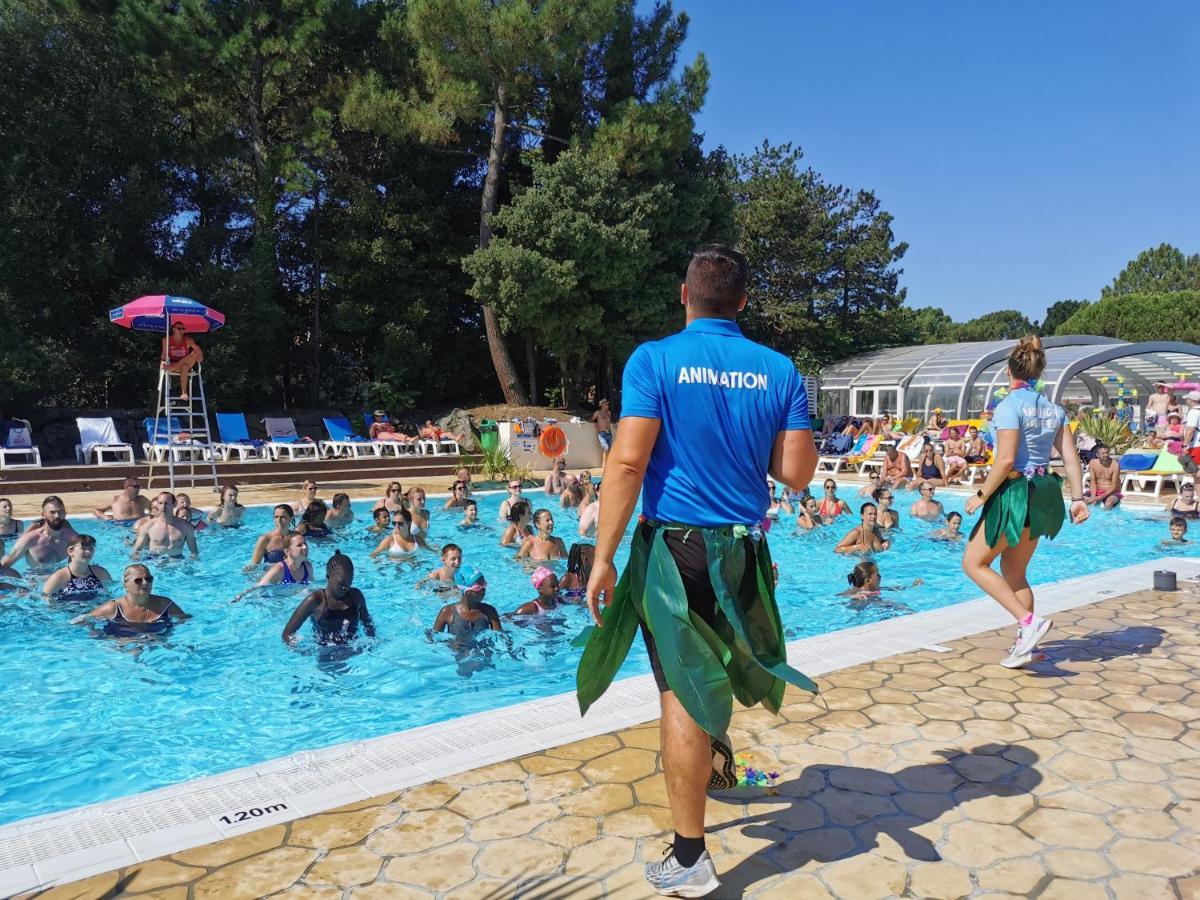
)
(1027, 150)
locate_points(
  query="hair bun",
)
(1030, 342)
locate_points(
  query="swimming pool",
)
(89, 719)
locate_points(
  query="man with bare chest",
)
(166, 534)
(1106, 476)
(127, 506)
(44, 545)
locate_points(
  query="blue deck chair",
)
(344, 442)
(165, 440)
(235, 439)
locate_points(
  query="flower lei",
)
(748, 776)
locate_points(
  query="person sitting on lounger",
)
(976, 448)
(431, 432)
(181, 354)
(383, 430)
(1106, 479)
(956, 456)
(932, 467)
(127, 506)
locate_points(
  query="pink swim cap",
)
(540, 574)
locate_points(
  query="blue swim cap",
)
(468, 577)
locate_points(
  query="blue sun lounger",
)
(235, 439)
(344, 442)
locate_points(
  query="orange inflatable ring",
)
(553, 442)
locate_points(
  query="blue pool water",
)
(87, 718)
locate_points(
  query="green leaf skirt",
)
(1035, 503)
(741, 655)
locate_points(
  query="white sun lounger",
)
(98, 438)
(18, 444)
(284, 440)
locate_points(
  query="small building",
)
(960, 378)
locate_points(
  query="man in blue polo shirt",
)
(706, 415)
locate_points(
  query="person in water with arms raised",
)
(704, 490)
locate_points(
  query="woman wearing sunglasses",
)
(831, 505)
(1185, 504)
(180, 354)
(515, 490)
(139, 611)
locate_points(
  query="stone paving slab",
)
(927, 774)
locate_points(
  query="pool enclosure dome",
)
(960, 378)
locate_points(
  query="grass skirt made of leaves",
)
(1035, 502)
(742, 655)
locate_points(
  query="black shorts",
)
(691, 556)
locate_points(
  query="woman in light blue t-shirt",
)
(1022, 499)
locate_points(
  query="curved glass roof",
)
(1082, 364)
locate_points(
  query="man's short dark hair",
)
(716, 279)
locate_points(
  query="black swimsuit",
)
(87, 586)
(120, 626)
(336, 626)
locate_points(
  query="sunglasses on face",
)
(830, 487)
(514, 487)
(143, 580)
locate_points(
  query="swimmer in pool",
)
(312, 523)
(294, 568)
(1178, 528)
(518, 530)
(308, 493)
(43, 546)
(183, 509)
(545, 583)
(927, 508)
(392, 500)
(400, 543)
(9, 527)
(138, 611)
(167, 534)
(269, 547)
(79, 579)
(865, 537)
(229, 513)
(470, 517)
(865, 582)
(543, 544)
(414, 502)
(443, 577)
(889, 517)
(573, 585)
(6, 571)
(809, 516)
(458, 496)
(589, 516)
(146, 519)
(127, 506)
(336, 610)
(340, 513)
(951, 532)
(515, 489)
(469, 614)
(382, 521)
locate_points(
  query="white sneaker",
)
(1013, 661)
(669, 879)
(1029, 635)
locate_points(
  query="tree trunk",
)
(531, 367)
(568, 385)
(316, 386)
(506, 371)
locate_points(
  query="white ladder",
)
(192, 414)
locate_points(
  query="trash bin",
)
(489, 435)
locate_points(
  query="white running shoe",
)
(669, 879)
(1016, 662)
(1029, 635)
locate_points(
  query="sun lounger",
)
(344, 442)
(167, 442)
(284, 440)
(385, 447)
(831, 463)
(866, 454)
(444, 445)
(1150, 483)
(235, 439)
(18, 445)
(98, 438)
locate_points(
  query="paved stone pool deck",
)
(928, 774)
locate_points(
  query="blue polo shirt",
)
(722, 400)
